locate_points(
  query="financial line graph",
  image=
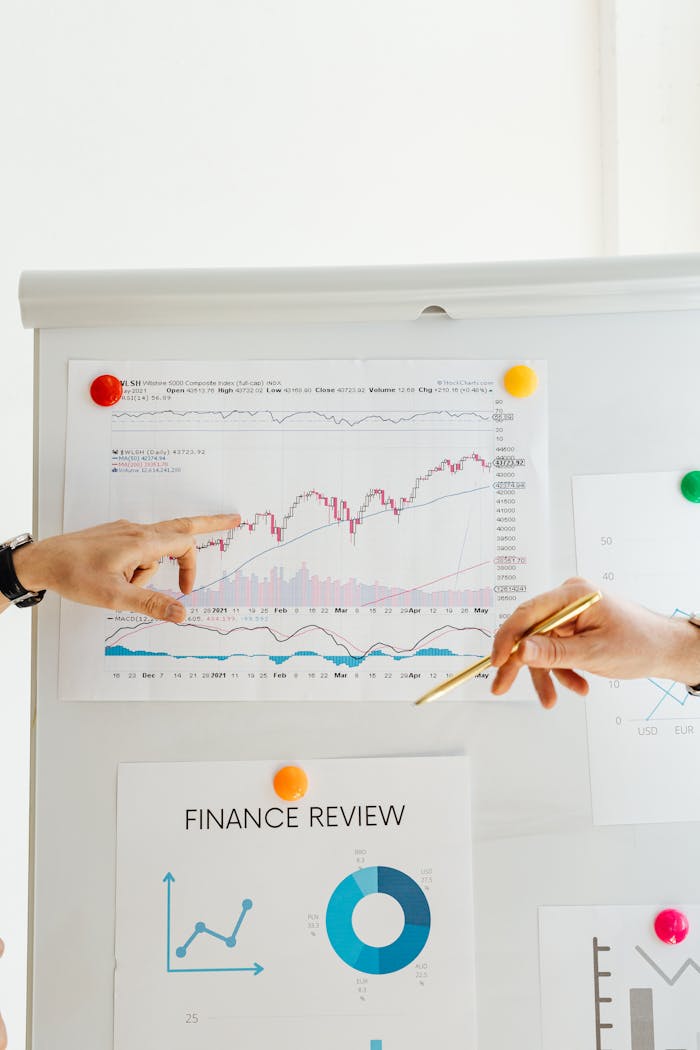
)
(339, 547)
(285, 418)
(201, 929)
(390, 519)
(675, 691)
(636, 535)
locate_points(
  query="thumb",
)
(132, 598)
(548, 651)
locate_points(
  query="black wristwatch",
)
(695, 620)
(9, 584)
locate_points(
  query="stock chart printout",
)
(392, 516)
(637, 538)
(610, 983)
(341, 920)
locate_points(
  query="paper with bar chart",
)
(637, 537)
(609, 983)
(392, 516)
(343, 919)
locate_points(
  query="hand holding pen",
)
(612, 638)
(555, 620)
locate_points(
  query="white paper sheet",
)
(239, 936)
(392, 517)
(636, 536)
(609, 983)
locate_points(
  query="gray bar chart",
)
(642, 1018)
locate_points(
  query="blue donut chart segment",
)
(366, 957)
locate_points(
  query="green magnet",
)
(690, 486)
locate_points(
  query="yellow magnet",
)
(290, 783)
(521, 381)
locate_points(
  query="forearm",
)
(679, 653)
(110, 565)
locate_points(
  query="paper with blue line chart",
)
(342, 920)
(609, 983)
(392, 517)
(637, 537)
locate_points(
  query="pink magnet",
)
(106, 390)
(671, 926)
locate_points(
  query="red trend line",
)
(340, 509)
(428, 583)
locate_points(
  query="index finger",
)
(530, 613)
(197, 525)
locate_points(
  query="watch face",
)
(18, 541)
(32, 598)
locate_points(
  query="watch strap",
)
(9, 584)
(694, 618)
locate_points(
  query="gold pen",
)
(569, 612)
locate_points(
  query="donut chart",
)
(366, 957)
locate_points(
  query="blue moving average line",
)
(200, 927)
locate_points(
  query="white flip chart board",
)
(620, 341)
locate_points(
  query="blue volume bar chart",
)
(390, 521)
(369, 958)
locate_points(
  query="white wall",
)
(651, 102)
(262, 132)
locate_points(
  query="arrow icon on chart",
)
(230, 941)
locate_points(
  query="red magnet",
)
(106, 390)
(671, 926)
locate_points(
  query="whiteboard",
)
(621, 340)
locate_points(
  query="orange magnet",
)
(291, 783)
(106, 390)
(521, 381)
